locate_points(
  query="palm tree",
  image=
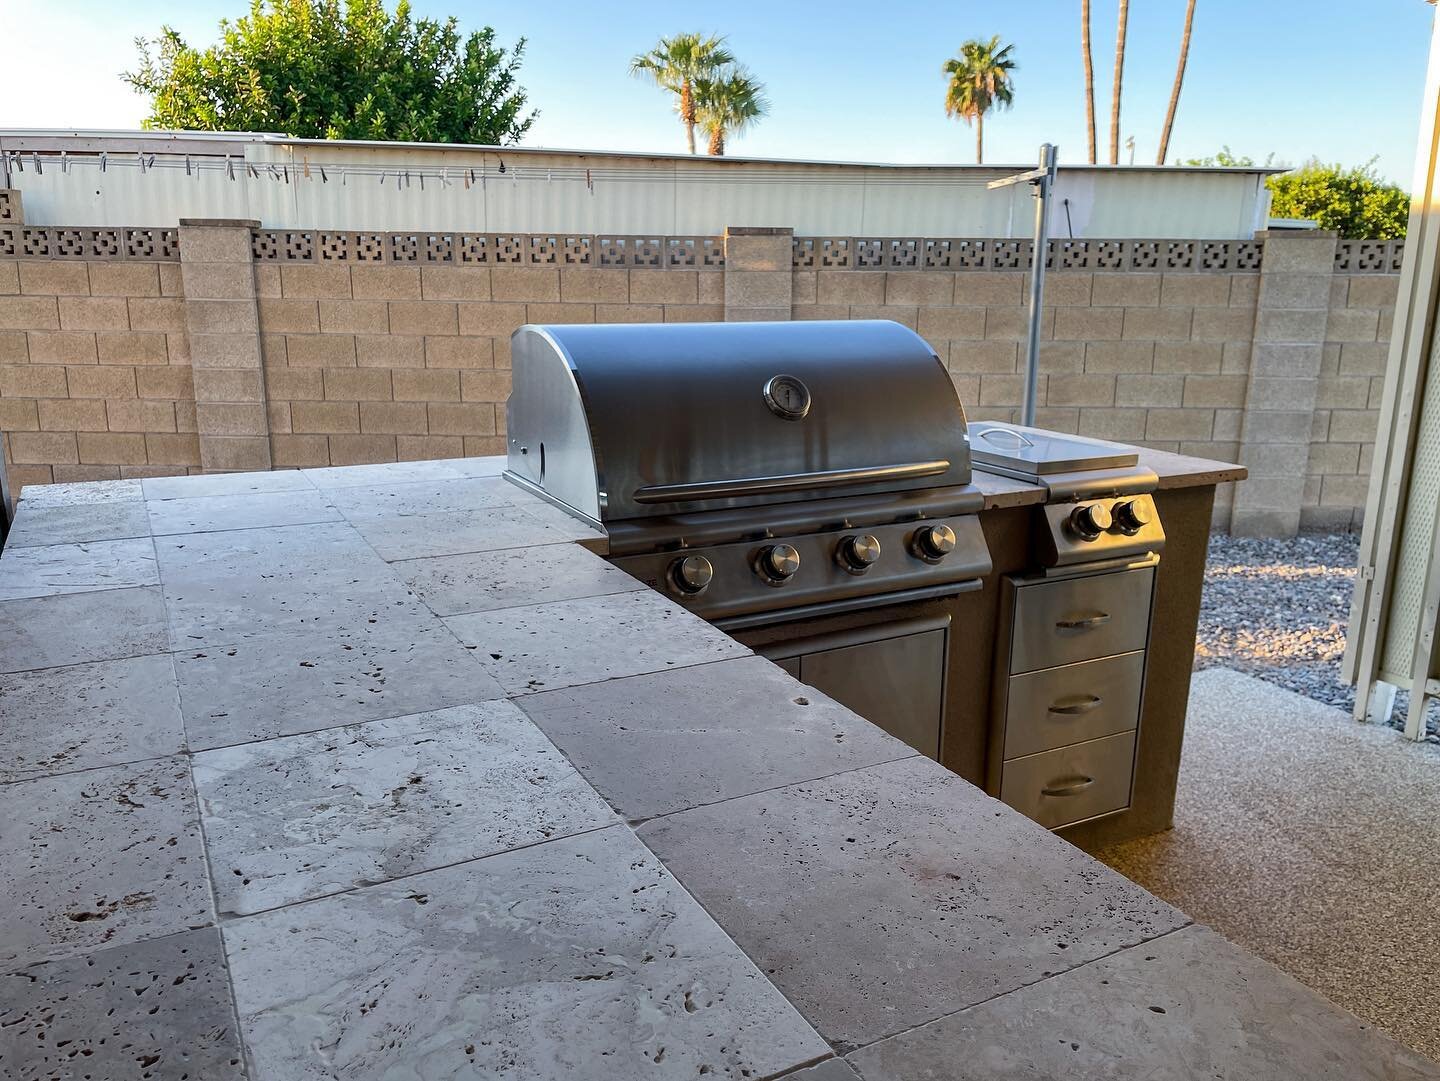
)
(676, 64)
(1179, 79)
(1089, 75)
(727, 104)
(1119, 79)
(979, 80)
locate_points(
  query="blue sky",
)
(860, 80)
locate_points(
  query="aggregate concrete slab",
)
(1309, 839)
(483, 581)
(835, 1069)
(886, 897)
(279, 480)
(455, 532)
(224, 587)
(81, 493)
(99, 858)
(291, 819)
(566, 643)
(577, 958)
(1187, 1006)
(77, 568)
(655, 744)
(490, 465)
(450, 495)
(58, 720)
(76, 523)
(46, 632)
(212, 513)
(284, 684)
(159, 1010)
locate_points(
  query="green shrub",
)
(1355, 202)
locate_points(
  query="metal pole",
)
(1041, 187)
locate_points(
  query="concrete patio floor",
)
(1313, 841)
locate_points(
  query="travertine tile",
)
(159, 1010)
(567, 643)
(57, 720)
(223, 587)
(1189, 1005)
(279, 480)
(81, 493)
(275, 685)
(655, 744)
(55, 569)
(46, 632)
(482, 581)
(295, 818)
(357, 476)
(215, 513)
(883, 898)
(76, 523)
(424, 497)
(99, 858)
(456, 532)
(577, 958)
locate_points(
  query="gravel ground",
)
(1277, 609)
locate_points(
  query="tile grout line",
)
(1189, 923)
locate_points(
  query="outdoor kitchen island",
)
(378, 772)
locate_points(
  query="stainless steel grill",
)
(767, 474)
(750, 468)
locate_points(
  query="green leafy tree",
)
(1225, 157)
(1355, 202)
(979, 80)
(337, 70)
(728, 104)
(677, 64)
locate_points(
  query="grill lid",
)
(642, 420)
(1033, 453)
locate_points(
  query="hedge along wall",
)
(315, 349)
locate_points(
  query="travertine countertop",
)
(377, 773)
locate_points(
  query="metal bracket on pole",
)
(1042, 180)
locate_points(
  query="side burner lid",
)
(1033, 453)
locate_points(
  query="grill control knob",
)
(692, 574)
(934, 542)
(1089, 522)
(856, 554)
(1132, 515)
(779, 562)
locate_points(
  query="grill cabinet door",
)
(896, 683)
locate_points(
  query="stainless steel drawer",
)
(1076, 619)
(1070, 784)
(1073, 703)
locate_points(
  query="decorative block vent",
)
(1369, 256)
(964, 253)
(36, 242)
(489, 249)
(10, 207)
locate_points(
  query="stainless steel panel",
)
(737, 589)
(1061, 621)
(1073, 703)
(686, 404)
(1063, 547)
(896, 683)
(790, 664)
(1033, 452)
(1071, 784)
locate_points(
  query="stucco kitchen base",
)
(448, 798)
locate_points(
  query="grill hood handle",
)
(789, 482)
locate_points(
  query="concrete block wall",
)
(217, 353)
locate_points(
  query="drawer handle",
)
(1079, 704)
(1068, 788)
(1084, 623)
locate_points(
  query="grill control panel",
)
(1097, 529)
(744, 577)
